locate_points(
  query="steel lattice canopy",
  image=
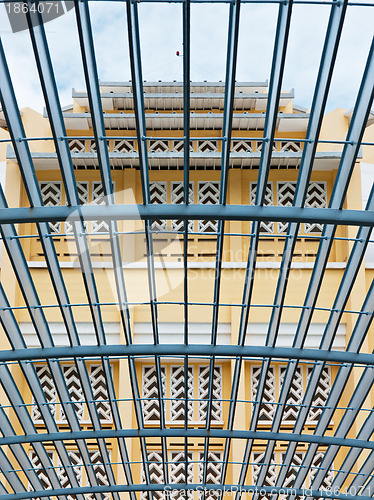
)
(106, 452)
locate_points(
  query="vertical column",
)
(235, 198)
(13, 193)
(240, 422)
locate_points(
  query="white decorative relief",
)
(267, 407)
(159, 195)
(203, 392)
(177, 393)
(316, 198)
(265, 226)
(295, 394)
(150, 402)
(208, 194)
(177, 197)
(321, 394)
(51, 192)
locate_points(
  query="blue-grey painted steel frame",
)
(16, 485)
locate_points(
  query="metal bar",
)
(356, 339)
(15, 251)
(190, 212)
(355, 132)
(333, 33)
(186, 15)
(231, 61)
(196, 350)
(27, 425)
(192, 433)
(92, 82)
(345, 288)
(49, 87)
(181, 487)
(141, 130)
(276, 76)
(19, 452)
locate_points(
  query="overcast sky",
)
(161, 37)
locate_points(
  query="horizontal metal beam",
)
(188, 212)
(230, 489)
(191, 433)
(183, 350)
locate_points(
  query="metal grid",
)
(352, 436)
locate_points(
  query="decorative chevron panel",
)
(267, 410)
(151, 409)
(266, 227)
(51, 192)
(177, 403)
(295, 466)
(329, 477)
(77, 146)
(124, 146)
(49, 390)
(177, 469)
(316, 198)
(260, 143)
(98, 198)
(102, 479)
(321, 395)
(203, 393)
(83, 195)
(207, 146)
(76, 462)
(75, 390)
(291, 146)
(100, 392)
(285, 196)
(159, 146)
(213, 473)
(177, 197)
(159, 194)
(295, 395)
(156, 474)
(178, 146)
(243, 146)
(208, 194)
(92, 146)
(257, 462)
(41, 473)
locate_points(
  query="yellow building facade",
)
(164, 121)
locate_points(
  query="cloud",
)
(161, 37)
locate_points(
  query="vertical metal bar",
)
(354, 345)
(231, 61)
(92, 82)
(345, 287)
(350, 151)
(48, 83)
(330, 49)
(186, 13)
(141, 132)
(279, 55)
(351, 458)
(19, 453)
(15, 251)
(9, 474)
(366, 431)
(25, 421)
(357, 484)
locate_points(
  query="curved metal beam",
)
(188, 212)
